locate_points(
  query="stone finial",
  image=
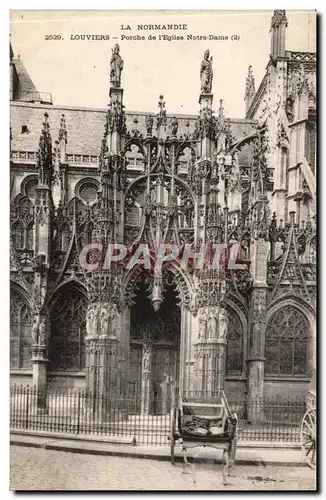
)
(250, 84)
(63, 129)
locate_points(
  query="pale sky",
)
(76, 73)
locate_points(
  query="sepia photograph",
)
(163, 247)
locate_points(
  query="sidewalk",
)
(248, 453)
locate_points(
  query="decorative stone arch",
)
(67, 308)
(241, 319)
(18, 288)
(184, 285)
(144, 177)
(83, 184)
(134, 142)
(27, 180)
(306, 311)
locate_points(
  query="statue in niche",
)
(42, 332)
(104, 320)
(223, 325)
(91, 326)
(202, 315)
(116, 66)
(35, 329)
(149, 124)
(206, 73)
(147, 351)
(114, 321)
(211, 323)
(174, 126)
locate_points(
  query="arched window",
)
(234, 349)
(20, 332)
(68, 328)
(287, 337)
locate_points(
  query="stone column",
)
(210, 350)
(256, 360)
(40, 335)
(146, 377)
(102, 362)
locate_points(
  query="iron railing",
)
(78, 412)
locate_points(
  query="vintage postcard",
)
(163, 250)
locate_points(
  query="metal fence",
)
(78, 412)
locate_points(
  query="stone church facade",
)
(83, 176)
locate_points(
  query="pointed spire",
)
(250, 84)
(62, 129)
(44, 154)
(221, 110)
(250, 89)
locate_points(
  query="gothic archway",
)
(154, 350)
(235, 344)
(68, 330)
(287, 343)
(20, 332)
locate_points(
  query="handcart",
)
(196, 424)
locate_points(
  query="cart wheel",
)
(308, 437)
(172, 433)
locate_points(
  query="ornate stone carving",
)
(44, 154)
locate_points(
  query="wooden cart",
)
(308, 431)
(196, 424)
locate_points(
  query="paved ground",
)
(39, 469)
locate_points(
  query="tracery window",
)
(287, 338)
(234, 349)
(88, 192)
(20, 332)
(68, 329)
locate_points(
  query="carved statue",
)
(211, 323)
(113, 319)
(147, 349)
(42, 332)
(202, 317)
(116, 66)
(206, 73)
(223, 325)
(91, 320)
(174, 126)
(149, 124)
(35, 330)
(104, 320)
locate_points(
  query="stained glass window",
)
(68, 328)
(20, 332)
(287, 338)
(234, 349)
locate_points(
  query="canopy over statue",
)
(116, 67)
(206, 74)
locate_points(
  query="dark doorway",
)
(163, 330)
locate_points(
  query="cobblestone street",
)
(39, 469)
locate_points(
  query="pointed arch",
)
(288, 339)
(68, 328)
(20, 329)
(236, 349)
